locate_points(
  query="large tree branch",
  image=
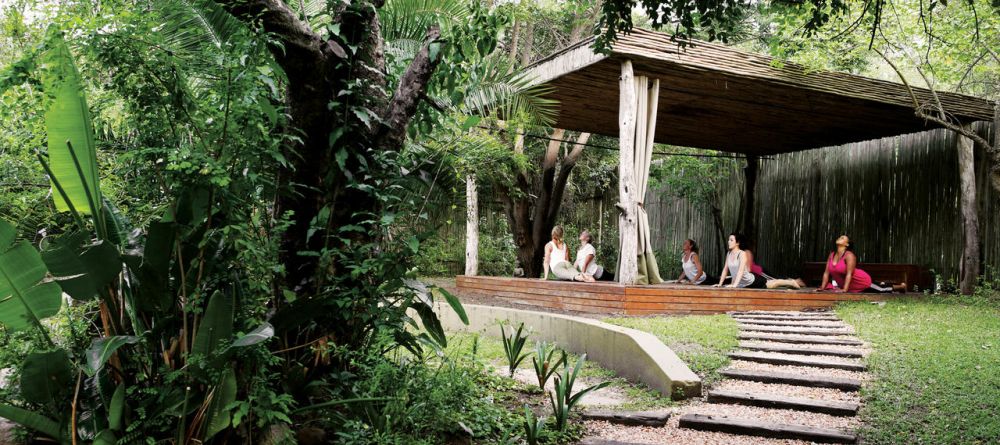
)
(412, 86)
(297, 38)
(919, 112)
(567, 168)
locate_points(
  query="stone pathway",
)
(798, 385)
(794, 380)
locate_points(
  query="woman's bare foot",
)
(901, 287)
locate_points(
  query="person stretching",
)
(843, 275)
(586, 260)
(557, 259)
(738, 265)
(691, 270)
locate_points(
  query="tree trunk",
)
(471, 226)
(750, 188)
(529, 44)
(970, 216)
(628, 224)
(533, 211)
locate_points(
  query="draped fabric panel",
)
(648, 95)
(647, 99)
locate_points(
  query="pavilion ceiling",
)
(716, 97)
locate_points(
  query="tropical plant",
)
(512, 347)
(543, 364)
(563, 398)
(533, 426)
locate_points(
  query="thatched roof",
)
(716, 97)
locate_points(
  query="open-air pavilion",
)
(650, 90)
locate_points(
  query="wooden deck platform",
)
(614, 298)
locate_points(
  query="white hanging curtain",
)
(648, 95)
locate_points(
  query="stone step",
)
(597, 441)
(803, 331)
(802, 351)
(786, 318)
(782, 314)
(639, 418)
(793, 324)
(763, 429)
(787, 378)
(801, 340)
(796, 361)
(781, 402)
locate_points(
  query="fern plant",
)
(512, 347)
(543, 364)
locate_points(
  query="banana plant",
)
(86, 395)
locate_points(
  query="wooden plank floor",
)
(613, 298)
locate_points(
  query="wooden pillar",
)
(628, 225)
(969, 266)
(471, 226)
(750, 187)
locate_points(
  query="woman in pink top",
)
(842, 273)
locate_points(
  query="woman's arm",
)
(826, 275)
(852, 262)
(697, 263)
(724, 273)
(545, 262)
(744, 266)
(586, 263)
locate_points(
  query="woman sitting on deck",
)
(586, 260)
(691, 270)
(557, 259)
(738, 265)
(843, 275)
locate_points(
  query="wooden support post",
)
(628, 224)
(471, 226)
(750, 187)
(969, 266)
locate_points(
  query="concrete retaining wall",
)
(636, 355)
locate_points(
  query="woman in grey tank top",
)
(738, 266)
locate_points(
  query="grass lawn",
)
(490, 350)
(937, 365)
(702, 341)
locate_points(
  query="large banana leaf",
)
(30, 420)
(46, 377)
(24, 298)
(67, 122)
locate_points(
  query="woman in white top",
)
(557, 259)
(586, 259)
(692, 272)
(738, 265)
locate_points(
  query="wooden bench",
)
(915, 277)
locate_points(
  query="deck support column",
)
(628, 224)
(969, 266)
(471, 226)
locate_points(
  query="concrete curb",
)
(633, 354)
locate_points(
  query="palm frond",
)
(498, 91)
(410, 19)
(190, 27)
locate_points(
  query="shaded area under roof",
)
(720, 98)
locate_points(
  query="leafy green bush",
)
(421, 402)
